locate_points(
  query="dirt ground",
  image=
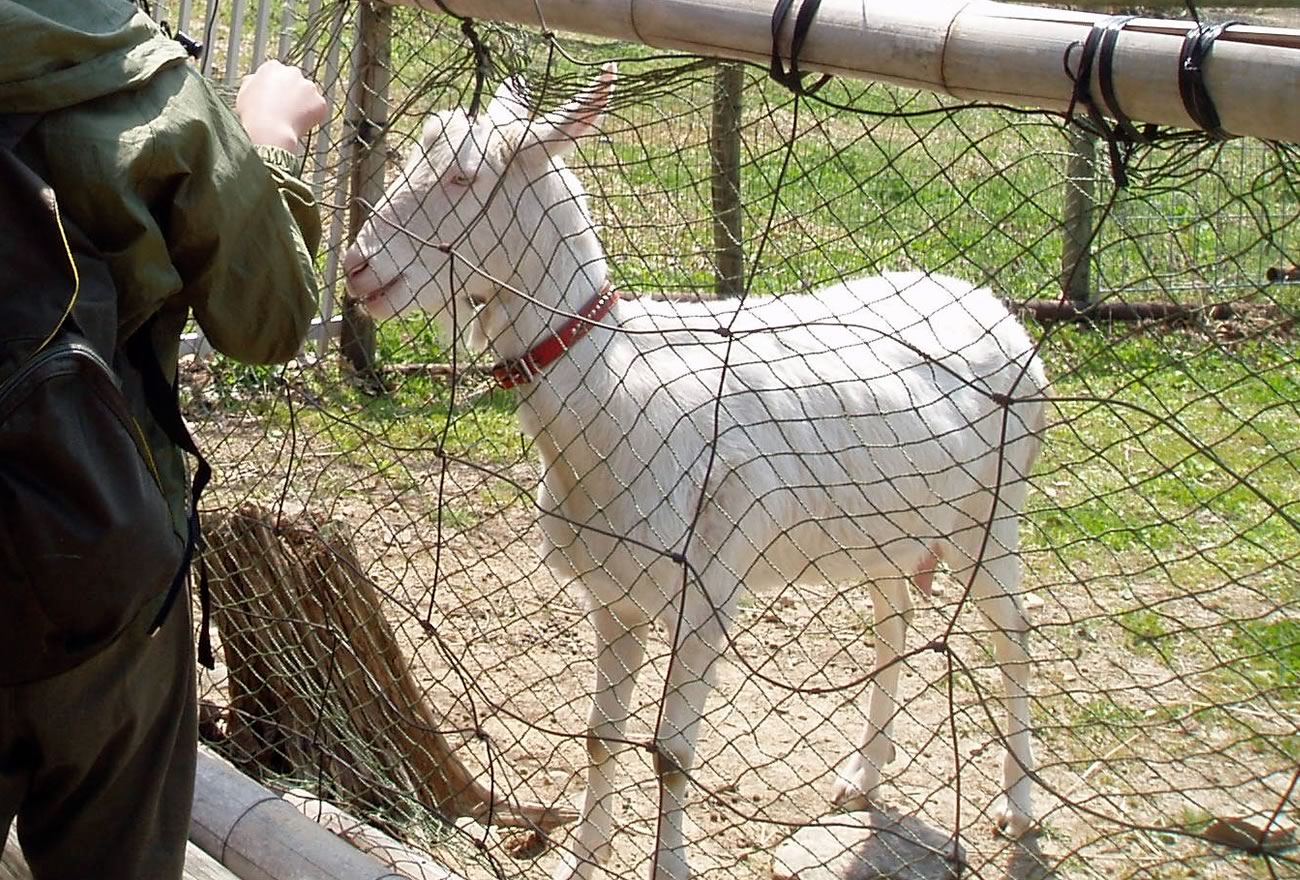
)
(499, 646)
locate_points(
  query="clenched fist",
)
(278, 105)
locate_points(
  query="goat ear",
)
(558, 131)
(507, 107)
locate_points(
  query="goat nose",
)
(354, 261)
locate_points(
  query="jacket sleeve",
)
(242, 232)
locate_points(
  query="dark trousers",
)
(97, 764)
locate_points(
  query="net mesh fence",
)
(393, 635)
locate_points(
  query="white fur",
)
(852, 434)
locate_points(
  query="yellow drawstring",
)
(72, 301)
(76, 279)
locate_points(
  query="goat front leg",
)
(620, 652)
(856, 783)
(690, 679)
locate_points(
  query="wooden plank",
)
(971, 49)
(261, 34)
(198, 864)
(234, 42)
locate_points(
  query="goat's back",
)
(875, 346)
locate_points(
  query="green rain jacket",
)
(160, 175)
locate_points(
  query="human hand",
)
(278, 105)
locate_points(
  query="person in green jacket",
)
(197, 211)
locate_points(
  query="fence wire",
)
(393, 640)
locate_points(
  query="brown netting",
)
(402, 649)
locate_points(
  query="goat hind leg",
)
(857, 781)
(620, 651)
(993, 588)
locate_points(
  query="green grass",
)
(1270, 655)
(1143, 627)
(413, 415)
(1170, 482)
(1172, 441)
(850, 197)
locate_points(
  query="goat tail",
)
(1036, 424)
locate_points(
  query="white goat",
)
(861, 432)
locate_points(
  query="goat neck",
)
(570, 388)
(556, 274)
(522, 370)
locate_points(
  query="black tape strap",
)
(1099, 48)
(1191, 77)
(792, 78)
(1110, 31)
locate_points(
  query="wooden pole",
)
(1076, 225)
(367, 158)
(1054, 311)
(404, 860)
(724, 151)
(970, 49)
(317, 682)
(261, 837)
(199, 865)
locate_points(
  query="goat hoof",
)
(851, 796)
(1011, 821)
(573, 868)
(850, 802)
(857, 783)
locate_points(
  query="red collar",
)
(523, 370)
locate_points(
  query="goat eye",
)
(460, 178)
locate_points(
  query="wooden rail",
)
(970, 49)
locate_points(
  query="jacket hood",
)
(58, 53)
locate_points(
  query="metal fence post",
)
(1076, 246)
(368, 103)
(724, 150)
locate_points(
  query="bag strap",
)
(163, 398)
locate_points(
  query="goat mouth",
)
(374, 295)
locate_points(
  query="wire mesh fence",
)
(394, 640)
